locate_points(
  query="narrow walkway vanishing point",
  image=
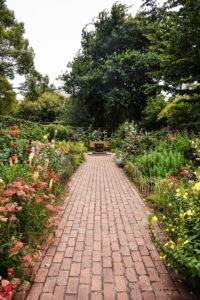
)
(102, 248)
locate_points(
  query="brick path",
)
(102, 249)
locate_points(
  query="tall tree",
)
(8, 102)
(35, 85)
(16, 57)
(176, 41)
(107, 77)
(48, 108)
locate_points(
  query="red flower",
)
(14, 131)
(8, 288)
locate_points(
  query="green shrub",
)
(28, 130)
(182, 112)
(159, 164)
(61, 133)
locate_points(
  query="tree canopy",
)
(48, 108)
(143, 68)
(16, 56)
(108, 75)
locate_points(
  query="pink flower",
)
(21, 193)
(27, 259)
(38, 200)
(15, 282)
(4, 283)
(53, 209)
(8, 193)
(3, 219)
(12, 207)
(8, 288)
(2, 209)
(4, 200)
(12, 218)
(10, 272)
(17, 246)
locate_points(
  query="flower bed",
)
(165, 167)
(32, 180)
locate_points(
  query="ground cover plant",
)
(33, 176)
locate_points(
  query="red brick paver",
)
(102, 248)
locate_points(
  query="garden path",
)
(102, 248)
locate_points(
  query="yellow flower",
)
(197, 186)
(154, 219)
(185, 243)
(163, 257)
(170, 244)
(45, 137)
(189, 212)
(2, 183)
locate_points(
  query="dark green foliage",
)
(48, 108)
(15, 56)
(107, 78)
(60, 132)
(182, 112)
(35, 85)
(159, 164)
(151, 112)
(28, 130)
(8, 102)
